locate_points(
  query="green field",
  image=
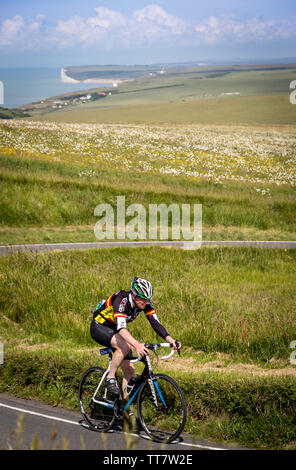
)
(237, 301)
(265, 109)
(45, 201)
(232, 309)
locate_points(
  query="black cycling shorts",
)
(103, 334)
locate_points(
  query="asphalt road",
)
(62, 429)
(5, 249)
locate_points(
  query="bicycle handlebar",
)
(154, 347)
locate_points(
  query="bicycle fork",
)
(154, 387)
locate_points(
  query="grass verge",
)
(85, 233)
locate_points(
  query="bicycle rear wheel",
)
(96, 405)
(162, 408)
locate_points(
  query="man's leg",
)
(121, 350)
(128, 370)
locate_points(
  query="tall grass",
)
(235, 300)
(40, 193)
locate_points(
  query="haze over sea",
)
(25, 85)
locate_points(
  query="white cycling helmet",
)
(141, 288)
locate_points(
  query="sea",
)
(26, 85)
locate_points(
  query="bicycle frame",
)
(146, 374)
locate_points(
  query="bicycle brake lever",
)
(177, 344)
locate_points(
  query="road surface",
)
(5, 249)
(58, 428)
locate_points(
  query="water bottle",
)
(131, 384)
(100, 304)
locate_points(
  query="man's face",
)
(141, 303)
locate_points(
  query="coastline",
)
(65, 78)
(115, 81)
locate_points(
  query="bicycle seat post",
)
(108, 351)
(109, 358)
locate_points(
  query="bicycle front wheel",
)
(96, 405)
(162, 408)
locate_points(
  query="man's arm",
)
(139, 347)
(159, 328)
(156, 325)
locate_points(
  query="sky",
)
(60, 33)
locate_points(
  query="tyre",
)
(97, 406)
(162, 408)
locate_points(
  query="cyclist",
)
(109, 328)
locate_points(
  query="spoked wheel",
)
(97, 406)
(162, 408)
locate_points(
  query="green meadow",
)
(44, 201)
(265, 109)
(233, 309)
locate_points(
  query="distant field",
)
(267, 109)
(110, 71)
(192, 86)
(184, 96)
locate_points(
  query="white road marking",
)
(21, 410)
(55, 418)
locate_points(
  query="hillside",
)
(233, 310)
(6, 113)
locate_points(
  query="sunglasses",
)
(139, 299)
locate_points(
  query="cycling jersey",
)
(119, 309)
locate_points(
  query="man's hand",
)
(141, 349)
(172, 341)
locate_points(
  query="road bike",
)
(161, 405)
